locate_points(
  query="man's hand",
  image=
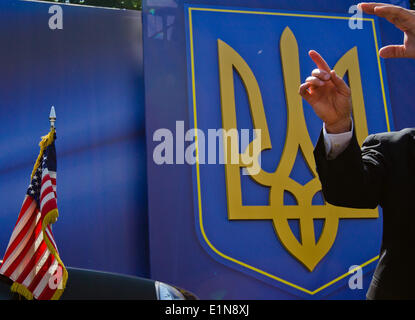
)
(329, 96)
(403, 19)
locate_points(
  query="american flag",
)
(32, 259)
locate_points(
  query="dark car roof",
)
(86, 284)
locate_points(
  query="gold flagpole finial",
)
(52, 117)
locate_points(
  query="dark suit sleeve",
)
(355, 178)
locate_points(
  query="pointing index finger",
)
(319, 61)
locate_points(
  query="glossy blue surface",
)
(92, 72)
(174, 240)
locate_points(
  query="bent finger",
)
(305, 93)
(303, 90)
(314, 81)
(321, 74)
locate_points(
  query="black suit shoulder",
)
(381, 172)
(392, 137)
(360, 176)
(394, 148)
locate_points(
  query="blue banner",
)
(237, 65)
(235, 212)
(87, 62)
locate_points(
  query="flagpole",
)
(52, 118)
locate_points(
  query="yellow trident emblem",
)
(308, 251)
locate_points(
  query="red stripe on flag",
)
(22, 254)
(51, 237)
(25, 213)
(45, 193)
(48, 206)
(20, 236)
(41, 273)
(33, 262)
(26, 204)
(48, 292)
(45, 178)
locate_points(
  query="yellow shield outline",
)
(194, 107)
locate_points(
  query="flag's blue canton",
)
(35, 184)
(48, 162)
(50, 153)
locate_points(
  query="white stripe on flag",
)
(22, 265)
(45, 185)
(49, 196)
(52, 239)
(20, 247)
(45, 280)
(32, 274)
(52, 174)
(22, 222)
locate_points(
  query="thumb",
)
(341, 86)
(392, 51)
